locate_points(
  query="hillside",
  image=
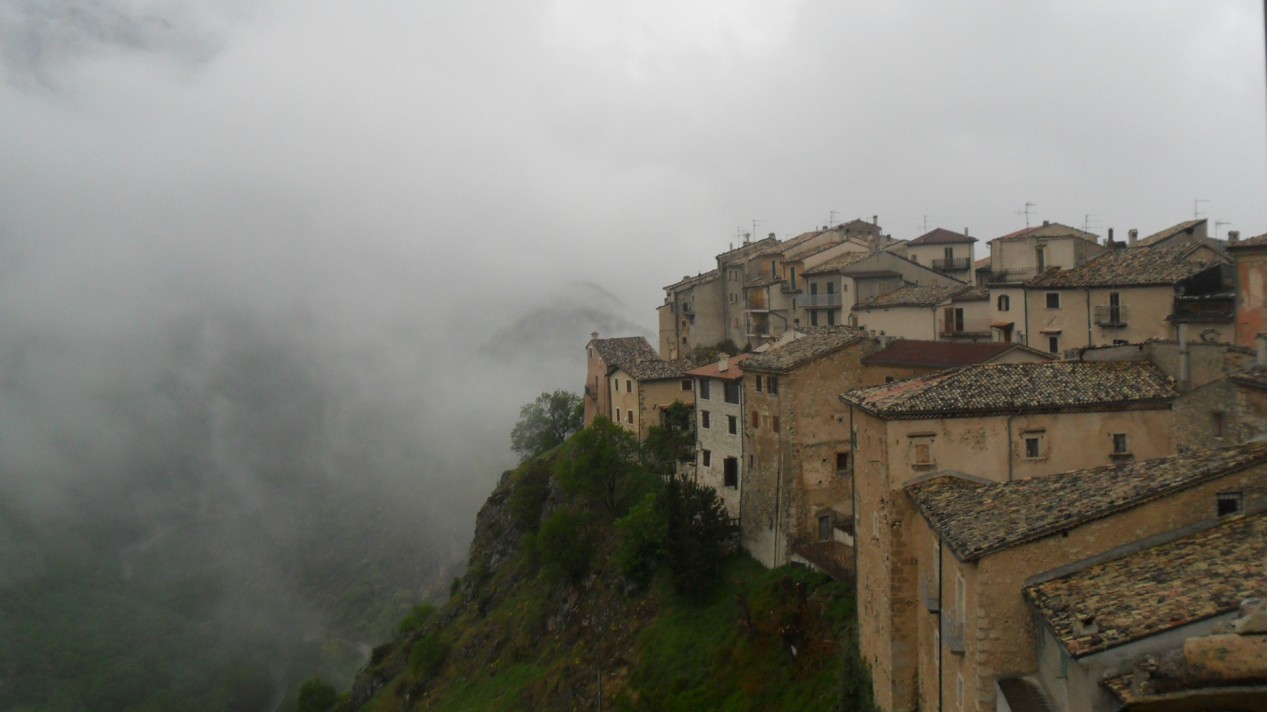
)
(517, 634)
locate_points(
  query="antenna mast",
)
(831, 218)
(1025, 212)
(1196, 207)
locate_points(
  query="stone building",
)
(1002, 422)
(719, 421)
(649, 388)
(907, 358)
(796, 489)
(1017, 257)
(979, 543)
(1251, 287)
(937, 313)
(834, 286)
(1129, 296)
(1159, 625)
(692, 314)
(602, 358)
(945, 251)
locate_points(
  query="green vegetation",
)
(316, 695)
(546, 422)
(629, 593)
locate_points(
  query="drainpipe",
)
(1090, 342)
(1010, 418)
(940, 673)
(778, 490)
(1025, 304)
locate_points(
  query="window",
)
(774, 269)
(813, 317)
(923, 453)
(1230, 503)
(1034, 444)
(949, 254)
(686, 384)
(756, 420)
(1005, 302)
(773, 384)
(732, 392)
(774, 423)
(824, 527)
(758, 384)
(842, 463)
(732, 425)
(705, 419)
(618, 415)
(1220, 423)
(1120, 445)
(1053, 300)
(1040, 257)
(706, 458)
(889, 379)
(831, 317)
(629, 416)
(628, 386)
(730, 472)
(703, 388)
(1053, 344)
(953, 320)
(831, 287)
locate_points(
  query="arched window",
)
(1005, 302)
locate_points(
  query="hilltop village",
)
(1043, 471)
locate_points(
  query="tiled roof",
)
(658, 370)
(835, 263)
(816, 341)
(1168, 233)
(1251, 377)
(912, 295)
(938, 354)
(745, 250)
(625, 350)
(983, 263)
(1018, 387)
(733, 372)
(972, 294)
(692, 281)
(1120, 268)
(762, 281)
(1156, 589)
(1048, 230)
(976, 519)
(1259, 241)
(941, 236)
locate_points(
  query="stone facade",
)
(719, 428)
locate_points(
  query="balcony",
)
(1204, 309)
(952, 632)
(930, 595)
(816, 301)
(953, 264)
(1110, 316)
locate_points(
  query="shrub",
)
(566, 545)
(698, 535)
(428, 654)
(415, 619)
(316, 695)
(529, 495)
(640, 540)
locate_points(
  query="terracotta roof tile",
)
(938, 354)
(837, 262)
(692, 281)
(1157, 589)
(910, 296)
(1163, 235)
(1012, 387)
(1125, 267)
(1048, 230)
(941, 236)
(734, 370)
(1258, 241)
(976, 519)
(658, 370)
(816, 341)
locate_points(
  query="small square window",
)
(842, 463)
(889, 379)
(1230, 503)
(1033, 447)
(1053, 300)
(686, 384)
(706, 458)
(1120, 445)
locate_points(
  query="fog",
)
(276, 276)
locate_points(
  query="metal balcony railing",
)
(1110, 315)
(820, 300)
(954, 264)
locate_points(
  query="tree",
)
(698, 535)
(603, 467)
(672, 442)
(546, 422)
(316, 695)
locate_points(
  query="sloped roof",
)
(1048, 230)
(692, 281)
(941, 236)
(938, 354)
(1123, 268)
(745, 249)
(837, 262)
(658, 370)
(912, 295)
(1157, 589)
(976, 520)
(1252, 242)
(972, 294)
(733, 372)
(1012, 387)
(816, 341)
(624, 350)
(1163, 235)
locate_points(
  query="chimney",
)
(1046, 223)
(824, 227)
(965, 232)
(1233, 237)
(1185, 359)
(593, 335)
(1261, 362)
(723, 363)
(1131, 236)
(875, 220)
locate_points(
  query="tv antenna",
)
(1218, 224)
(831, 217)
(925, 225)
(1025, 212)
(1086, 222)
(755, 222)
(1196, 207)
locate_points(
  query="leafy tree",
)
(672, 442)
(316, 695)
(603, 467)
(546, 422)
(567, 545)
(640, 540)
(528, 498)
(698, 534)
(428, 654)
(705, 354)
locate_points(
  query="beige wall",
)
(1146, 309)
(902, 322)
(989, 447)
(692, 316)
(925, 254)
(597, 391)
(1000, 636)
(719, 441)
(637, 405)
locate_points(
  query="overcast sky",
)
(387, 153)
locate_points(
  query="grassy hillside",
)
(520, 632)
